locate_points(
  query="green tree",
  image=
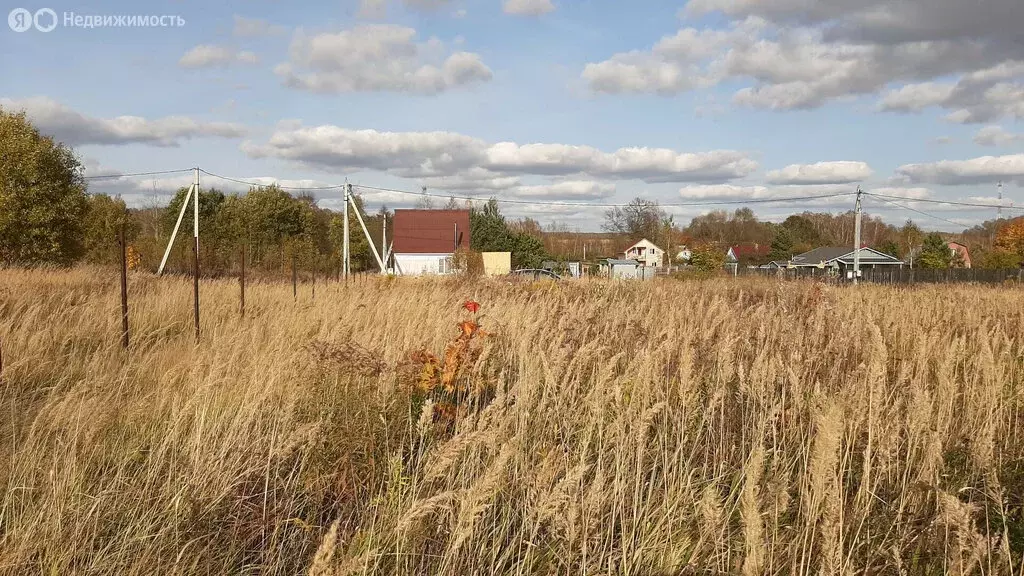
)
(889, 247)
(782, 245)
(42, 196)
(271, 217)
(998, 259)
(102, 225)
(211, 229)
(489, 232)
(935, 252)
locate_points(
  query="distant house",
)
(961, 253)
(841, 259)
(645, 252)
(426, 240)
(748, 252)
(684, 254)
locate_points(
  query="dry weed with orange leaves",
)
(698, 427)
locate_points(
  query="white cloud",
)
(255, 28)
(568, 190)
(208, 55)
(649, 164)
(821, 173)
(460, 13)
(447, 154)
(916, 97)
(722, 191)
(75, 128)
(996, 136)
(882, 21)
(903, 192)
(980, 96)
(797, 54)
(823, 196)
(378, 9)
(986, 169)
(379, 57)
(528, 7)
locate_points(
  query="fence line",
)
(897, 275)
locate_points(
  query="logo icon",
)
(20, 20)
(42, 24)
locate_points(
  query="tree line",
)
(48, 216)
(993, 244)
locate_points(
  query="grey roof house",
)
(838, 258)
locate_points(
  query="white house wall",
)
(422, 264)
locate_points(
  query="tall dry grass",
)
(660, 428)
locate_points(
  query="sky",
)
(561, 108)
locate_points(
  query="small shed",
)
(620, 268)
(497, 263)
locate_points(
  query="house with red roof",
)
(748, 253)
(426, 240)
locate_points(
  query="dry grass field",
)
(699, 427)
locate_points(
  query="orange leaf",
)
(468, 327)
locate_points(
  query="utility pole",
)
(124, 286)
(999, 212)
(856, 239)
(366, 232)
(241, 286)
(345, 253)
(195, 254)
(177, 224)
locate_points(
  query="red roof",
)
(751, 250)
(430, 231)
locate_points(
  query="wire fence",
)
(895, 275)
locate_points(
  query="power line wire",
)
(898, 205)
(131, 174)
(604, 205)
(949, 202)
(532, 202)
(329, 187)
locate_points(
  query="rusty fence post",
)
(241, 286)
(124, 287)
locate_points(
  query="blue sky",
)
(586, 102)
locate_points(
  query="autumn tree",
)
(803, 233)
(42, 196)
(742, 226)
(1010, 237)
(707, 258)
(641, 218)
(910, 238)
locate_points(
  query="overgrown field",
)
(699, 427)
